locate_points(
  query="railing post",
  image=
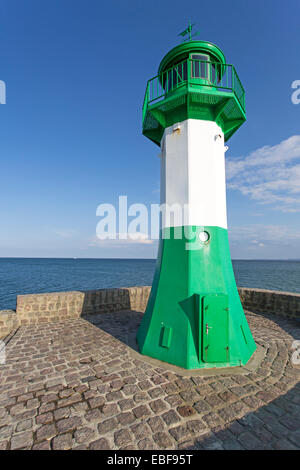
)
(146, 99)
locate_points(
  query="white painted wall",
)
(193, 173)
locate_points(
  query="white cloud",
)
(264, 236)
(258, 232)
(269, 175)
(65, 233)
(122, 239)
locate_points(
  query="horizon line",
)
(135, 259)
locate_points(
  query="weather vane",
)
(188, 31)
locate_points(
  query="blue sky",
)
(76, 72)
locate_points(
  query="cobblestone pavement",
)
(75, 385)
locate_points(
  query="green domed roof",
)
(182, 51)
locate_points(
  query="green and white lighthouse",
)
(194, 318)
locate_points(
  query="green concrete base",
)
(194, 318)
(252, 365)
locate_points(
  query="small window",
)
(200, 66)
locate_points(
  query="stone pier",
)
(73, 379)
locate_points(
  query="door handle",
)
(208, 328)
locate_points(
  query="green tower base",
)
(194, 318)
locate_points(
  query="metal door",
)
(215, 334)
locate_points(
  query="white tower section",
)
(193, 173)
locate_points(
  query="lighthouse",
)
(194, 318)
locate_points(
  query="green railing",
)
(198, 74)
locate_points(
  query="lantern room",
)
(193, 81)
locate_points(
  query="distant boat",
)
(75, 257)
